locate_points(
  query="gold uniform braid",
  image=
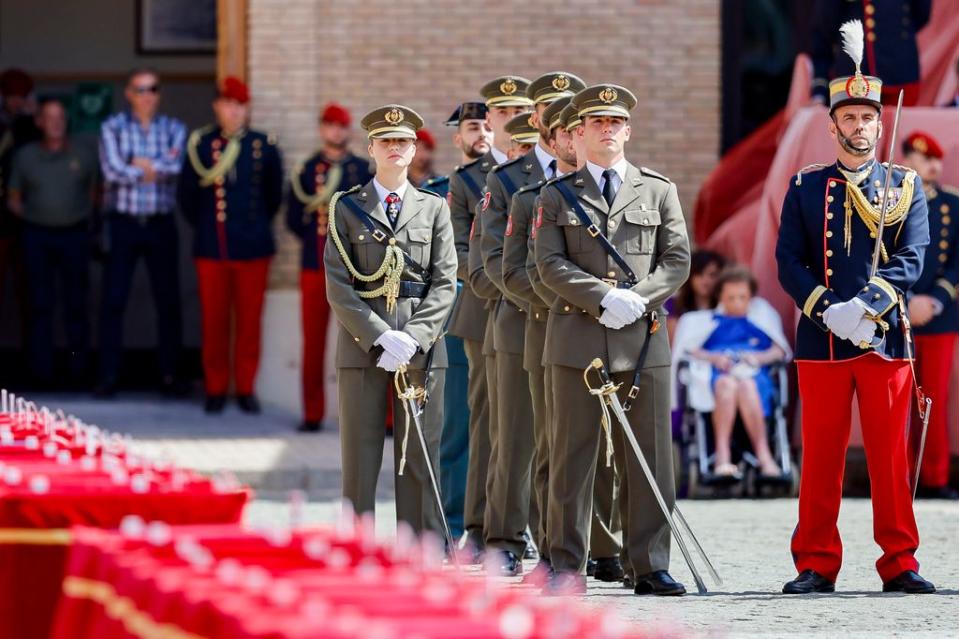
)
(869, 214)
(230, 154)
(390, 270)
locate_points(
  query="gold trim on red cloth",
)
(36, 536)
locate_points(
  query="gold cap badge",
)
(561, 83)
(608, 95)
(393, 116)
(508, 87)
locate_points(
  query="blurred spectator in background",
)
(53, 189)
(891, 50)
(697, 294)
(730, 350)
(230, 190)
(934, 314)
(333, 168)
(17, 128)
(421, 169)
(141, 154)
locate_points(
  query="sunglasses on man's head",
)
(150, 88)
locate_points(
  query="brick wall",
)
(431, 55)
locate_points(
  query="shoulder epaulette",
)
(560, 178)
(652, 173)
(536, 186)
(949, 189)
(350, 190)
(422, 190)
(505, 164)
(906, 169)
(466, 166)
(808, 169)
(439, 179)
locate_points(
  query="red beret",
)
(16, 82)
(922, 142)
(334, 113)
(234, 88)
(424, 136)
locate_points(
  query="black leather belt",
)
(417, 290)
(618, 283)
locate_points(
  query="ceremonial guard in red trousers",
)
(332, 168)
(853, 336)
(934, 315)
(230, 189)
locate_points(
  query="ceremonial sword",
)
(411, 396)
(607, 395)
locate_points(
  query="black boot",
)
(659, 583)
(310, 426)
(608, 569)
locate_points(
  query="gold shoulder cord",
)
(312, 203)
(389, 271)
(227, 160)
(869, 214)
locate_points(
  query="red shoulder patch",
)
(449, 198)
(486, 198)
(509, 225)
(472, 228)
(539, 216)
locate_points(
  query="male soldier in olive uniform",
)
(386, 327)
(508, 508)
(468, 320)
(505, 98)
(609, 300)
(522, 280)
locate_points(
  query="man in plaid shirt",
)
(141, 154)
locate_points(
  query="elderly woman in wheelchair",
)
(727, 355)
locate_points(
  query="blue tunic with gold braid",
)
(825, 251)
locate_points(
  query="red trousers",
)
(934, 354)
(315, 313)
(883, 390)
(231, 291)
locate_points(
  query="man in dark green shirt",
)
(52, 188)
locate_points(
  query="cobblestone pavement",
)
(748, 541)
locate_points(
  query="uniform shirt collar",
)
(382, 191)
(596, 171)
(498, 156)
(543, 157)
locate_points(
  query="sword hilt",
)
(600, 368)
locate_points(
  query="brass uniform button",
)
(825, 302)
(828, 233)
(611, 274)
(871, 36)
(944, 232)
(946, 219)
(877, 184)
(870, 23)
(870, 9)
(943, 257)
(221, 192)
(220, 205)
(566, 308)
(828, 252)
(361, 237)
(221, 217)
(944, 208)
(356, 339)
(829, 216)
(828, 271)
(872, 234)
(830, 198)
(943, 245)
(877, 296)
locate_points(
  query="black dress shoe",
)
(629, 582)
(910, 583)
(659, 583)
(248, 404)
(608, 569)
(590, 567)
(507, 564)
(807, 582)
(310, 426)
(214, 403)
(940, 492)
(565, 583)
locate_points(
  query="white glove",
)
(843, 318)
(387, 362)
(624, 304)
(610, 320)
(398, 344)
(863, 332)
